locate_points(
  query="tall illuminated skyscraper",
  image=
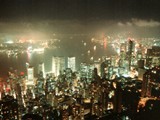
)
(98, 66)
(41, 69)
(130, 50)
(146, 91)
(71, 63)
(30, 76)
(58, 64)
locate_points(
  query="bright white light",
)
(31, 41)
(155, 44)
(29, 83)
(10, 42)
(29, 48)
(39, 50)
(127, 118)
(92, 39)
(88, 51)
(91, 58)
(125, 75)
(118, 51)
(27, 65)
(95, 48)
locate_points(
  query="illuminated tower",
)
(146, 86)
(104, 96)
(98, 66)
(149, 57)
(30, 76)
(103, 67)
(141, 70)
(83, 70)
(122, 54)
(105, 42)
(41, 69)
(117, 98)
(58, 64)
(130, 50)
(71, 63)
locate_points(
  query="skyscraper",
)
(30, 76)
(130, 50)
(71, 63)
(146, 84)
(58, 64)
(41, 69)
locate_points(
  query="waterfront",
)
(104, 86)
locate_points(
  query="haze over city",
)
(79, 59)
(38, 18)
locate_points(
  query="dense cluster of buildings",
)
(121, 87)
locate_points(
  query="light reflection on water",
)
(18, 62)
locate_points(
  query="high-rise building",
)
(117, 99)
(41, 69)
(58, 64)
(146, 84)
(86, 71)
(156, 61)
(83, 70)
(30, 76)
(130, 50)
(149, 57)
(152, 56)
(98, 66)
(71, 63)
(141, 71)
(103, 69)
(123, 47)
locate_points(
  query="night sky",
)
(78, 15)
(79, 9)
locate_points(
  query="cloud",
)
(145, 23)
(129, 23)
(140, 23)
(120, 24)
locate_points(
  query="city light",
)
(79, 60)
(10, 42)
